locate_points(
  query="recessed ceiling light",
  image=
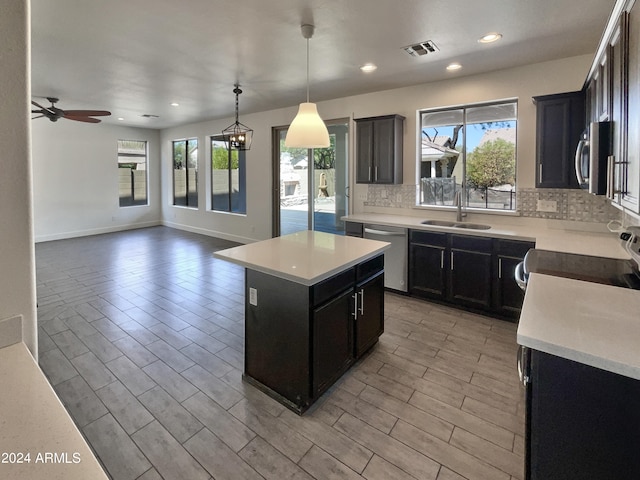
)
(454, 66)
(490, 37)
(175, 104)
(368, 67)
(120, 118)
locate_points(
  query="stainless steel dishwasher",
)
(395, 257)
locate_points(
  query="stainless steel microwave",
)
(592, 157)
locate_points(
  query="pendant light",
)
(237, 136)
(307, 130)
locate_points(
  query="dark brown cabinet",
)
(508, 296)
(332, 340)
(379, 149)
(560, 119)
(469, 271)
(368, 313)
(300, 339)
(428, 264)
(582, 421)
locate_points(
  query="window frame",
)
(464, 155)
(173, 172)
(242, 179)
(146, 170)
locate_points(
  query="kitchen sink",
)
(473, 226)
(439, 223)
(446, 223)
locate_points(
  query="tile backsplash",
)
(573, 205)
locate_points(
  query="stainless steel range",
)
(588, 268)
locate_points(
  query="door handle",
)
(361, 309)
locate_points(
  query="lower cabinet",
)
(369, 313)
(470, 271)
(332, 340)
(300, 339)
(582, 422)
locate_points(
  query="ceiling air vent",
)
(149, 115)
(421, 48)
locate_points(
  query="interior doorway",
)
(310, 189)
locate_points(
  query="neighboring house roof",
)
(437, 148)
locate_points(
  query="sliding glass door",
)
(310, 185)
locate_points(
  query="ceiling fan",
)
(53, 113)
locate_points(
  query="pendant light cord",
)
(307, 70)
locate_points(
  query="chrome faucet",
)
(457, 202)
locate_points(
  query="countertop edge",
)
(307, 282)
(35, 421)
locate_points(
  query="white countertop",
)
(32, 420)
(598, 325)
(559, 240)
(306, 257)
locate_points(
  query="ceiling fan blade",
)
(82, 119)
(86, 113)
(40, 116)
(42, 109)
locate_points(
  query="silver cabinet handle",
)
(441, 259)
(499, 268)
(369, 174)
(376, 174)
(361, 309)
(540, 173)
(451, 260)
(355, 306)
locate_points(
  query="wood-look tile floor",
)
(141, 336)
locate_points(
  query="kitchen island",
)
(314, 303)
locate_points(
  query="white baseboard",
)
(209, 233)
(94, 231)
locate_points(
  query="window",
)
(228, 178)
(185, 173)
(132, 172)
(471, 150)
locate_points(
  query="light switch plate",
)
(253, 296)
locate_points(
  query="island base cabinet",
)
(583, 423)
(300, 339)
(369, 320)
(277, 348)
(332, 341)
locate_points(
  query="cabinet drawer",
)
(428, 238)
(332, 286)
(474, 244)
(369, 268)
(513, 248)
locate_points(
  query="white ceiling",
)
(136, 57)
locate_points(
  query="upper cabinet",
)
(379, 149)
(559, 123)
(613, 94)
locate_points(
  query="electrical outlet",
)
(547, 206)
(253, 296)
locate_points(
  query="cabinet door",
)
(427, 270)
(559, 121)
(384, 150)
(631, 179)
(509, 296)
(369, 321)
(364, 152)
(470, 278)
(583, 422)
(332, 341)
